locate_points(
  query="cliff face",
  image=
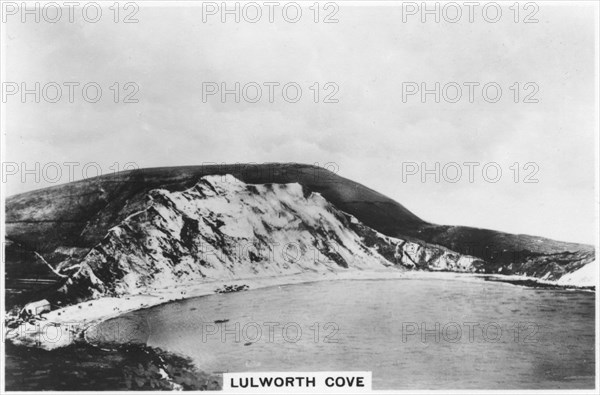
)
(223, 228)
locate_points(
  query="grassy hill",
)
(64, 221)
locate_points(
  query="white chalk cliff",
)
(223, 228)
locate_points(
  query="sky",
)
(362, 126)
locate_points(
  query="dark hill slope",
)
(78, 215)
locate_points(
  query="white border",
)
(188, 3)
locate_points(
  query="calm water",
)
(413, 333)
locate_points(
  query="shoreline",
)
(66, 326)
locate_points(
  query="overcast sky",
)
(369, 133)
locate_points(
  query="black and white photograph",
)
(300, 197)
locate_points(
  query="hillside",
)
(80, 213)
(52, 231)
